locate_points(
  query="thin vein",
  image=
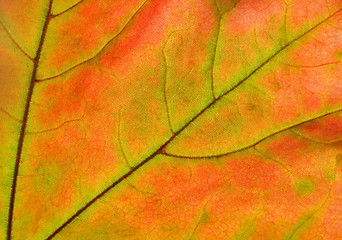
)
(328, 4)
(144, 192)
(204, 210)
(66, 10)
(312, 214)
(275, 161)
(250, 226)
(102, 49)
(58, 127)
(120, 142)
(332, 25)
(196, 227)
(309, 139)
(99, 196)
(285, 23)
(62, 124)
(23, 126)
(274, 55)
(256, 39)
(215, 49)
(160, 150)
(5, 186)
(214, 57)
(251, 145)
(164, 89)
(10, 115)
(16, 43)
(312, 66)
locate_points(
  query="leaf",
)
(151, 119)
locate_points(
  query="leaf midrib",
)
(24, 122)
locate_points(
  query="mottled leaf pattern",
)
(168, 119)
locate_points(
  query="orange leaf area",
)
(168, 119)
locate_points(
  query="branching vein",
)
(67, 10)
(24, 124)
(251, 145)
(102, 49)
(160, 150)
(58, 127)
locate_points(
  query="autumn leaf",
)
(168, 119)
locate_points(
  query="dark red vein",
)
(62, 124)
(58, 127)
(15, 42)
(102, 49)
(160, 150)
(10, 115)
(107, 190)
(312, 66)
(23, 126)
(251, 145)
(66, 10)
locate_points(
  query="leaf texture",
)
(167, 119)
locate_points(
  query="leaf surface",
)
(151, 119)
